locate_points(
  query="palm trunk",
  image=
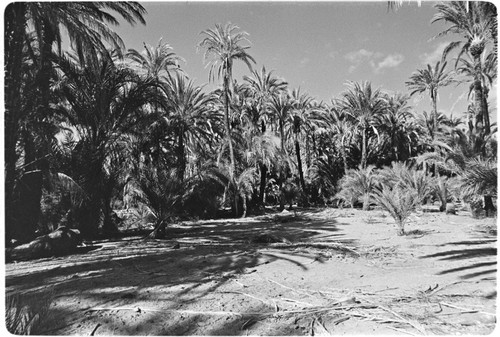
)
(282, 175)
(244, 206)
(299, 165)
(486, 115)
(262, 188)
(363, 150)
(366, 201)
(228, 135)
(478, 100)
(344, 158)
(14, 40)
(159, 231)
(434, 116)
(181, 157)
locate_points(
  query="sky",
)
(317, 46)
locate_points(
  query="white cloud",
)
(356, 58)
(435, 55)
(390, 61)
(304, 61)
(333, 54)
(376, 60)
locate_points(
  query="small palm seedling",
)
(399, 202)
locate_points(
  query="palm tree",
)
(476, 22)
(358, 184)
(363, 104)
(156, 62)
(397, 125)
(189, 116)
(37, 27)
(488, 75)
(430, 80)
(223, 47)
(336, 123)
(102, 103)
(281, 107)
(159, 190)
(399, 202)
(298, 121)
(262, 86)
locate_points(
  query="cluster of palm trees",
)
(99, 129)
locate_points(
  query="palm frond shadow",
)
(481, 249)
(211, 253)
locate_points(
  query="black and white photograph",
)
(263, 168)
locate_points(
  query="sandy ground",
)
(338, 271)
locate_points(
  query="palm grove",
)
(100, 129)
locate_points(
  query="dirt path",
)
(336, 272)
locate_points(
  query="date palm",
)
(297, 123)
(189, 117)
(261, 86)
(488, 75)
(397, 125)
(429, 80)
(102, 102)
(280, 109)
(476, 22)
(223, 46)
(364, 104)
(336, 123)
(38, 27)
(156, 62)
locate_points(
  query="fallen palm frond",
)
(25, 315)
(415, 311)
(318, 245)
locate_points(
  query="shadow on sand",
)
(124, 272)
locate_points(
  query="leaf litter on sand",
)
(419, 312)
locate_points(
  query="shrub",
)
(399, 202)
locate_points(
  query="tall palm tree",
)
(397, 125)
(430, 80)
(102, 102)
(156, 62)
(476, 22)
(189, 116)
(281, 107)
(224, 46)
(363, 104)
(37, 27)
(261, 86)
(298, 122)
(488, 76)
(336, 123)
